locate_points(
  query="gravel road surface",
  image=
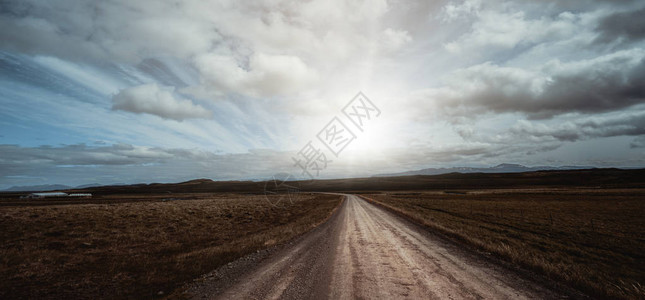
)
(366, 252)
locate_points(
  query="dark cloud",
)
(623, 124)
(476, 153)
(603, 84)
(105, 30)
(608, 86)
(623, 27)
(124, 163)
(80, 154)
(638, 142)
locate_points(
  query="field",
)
(591, 239)
(583, 228)
(139, 246)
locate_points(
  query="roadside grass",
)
(590, 239)
(140, 250)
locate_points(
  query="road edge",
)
(233, 270)
(498, 260)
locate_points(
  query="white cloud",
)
(494, 30)
(266, 75)
(395, 39)
(265, 48)
(152, 99)
(453, 11)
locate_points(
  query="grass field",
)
(591, 239)
(139, 247)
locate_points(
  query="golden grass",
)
(138, 249)
(591, 239)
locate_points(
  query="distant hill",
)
(595, 178)
(88, 185)
(501, 168)
(33, 188)
(501, 176)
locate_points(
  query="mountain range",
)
(501, 168)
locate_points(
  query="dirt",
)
(365, 252)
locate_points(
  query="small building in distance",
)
(81, 195)
(46, 195)
(56, 195)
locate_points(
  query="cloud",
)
(601, 84)
(260, 49)
(154, 100)
(125, 163)
(267, 75)
(393, 40)
(279, 69)
(81, 155)
(638, 142)
(627, 26)
(108, 30)
(622, 124)
(497, 30)
(453, 11)
(500, 27)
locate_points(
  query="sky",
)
(120, 91)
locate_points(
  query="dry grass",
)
(138, 249)
(591, 239)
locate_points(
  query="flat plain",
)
(139, 246)
(581, 229)
(590, 238)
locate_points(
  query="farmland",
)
(140, 246)
(591, 239)
(582, 228)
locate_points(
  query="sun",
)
(371, 143)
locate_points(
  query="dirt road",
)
(366, 252)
